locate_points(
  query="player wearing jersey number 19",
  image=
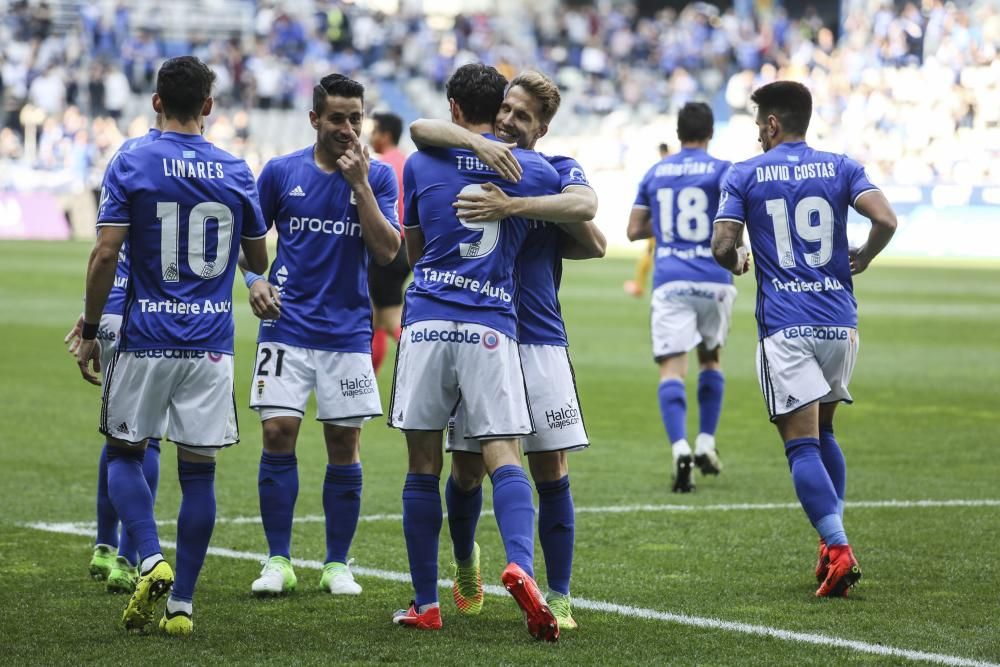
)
(692, 296)
(335, 211)
(186, 208)
(793, 201)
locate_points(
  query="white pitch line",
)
(625, 509)
(605, 607)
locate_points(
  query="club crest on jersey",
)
(491, 340)
(260, 388)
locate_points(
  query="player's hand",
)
(742, 261)
(489, 205)
(859, 260)
(265, 300)
(499, 158)
(88, 356)
(74, 336)
(354, 163)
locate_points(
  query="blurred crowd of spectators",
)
(912, 90)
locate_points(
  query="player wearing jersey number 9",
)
(806, 311)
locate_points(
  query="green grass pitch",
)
(924, 428)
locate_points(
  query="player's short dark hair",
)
(335, 85)
(695, 122)
(391, 123)
(788, 101)
(183, 84)
(478, 91)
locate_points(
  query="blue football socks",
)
(132, 499)
(342, 506)
(673, 408)
(556, 530)
(515, 514)
(833, 460)
(711, 385)
(815, 490)
(464, 508)
(278, 489)
(422, 519)
(151, 471)
(195, 522)
(107, 517)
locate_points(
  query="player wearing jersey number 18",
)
(793, 201)
(692, 296)
(335, 213)
(186, 208)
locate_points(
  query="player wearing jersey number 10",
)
(186, 208)
(335, 212)
(793, 201)
(693, 296)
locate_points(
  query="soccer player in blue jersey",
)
(119, 570)
(692, 295)
(186, 208)
(460, 341)
(334, 209)
(531, 102)
(793, 202)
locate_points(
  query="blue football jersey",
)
(116, 298)
(321, 266)
(539, 270)
(466, 273)
(187, 204)
(682, 191)
(793, 200)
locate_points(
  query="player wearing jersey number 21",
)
(322, 340)
(793, 201)
(174, 198)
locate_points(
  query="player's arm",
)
(874, 206)
(414, 245)
(640, 224)
(728, 248)
(575, 204)
(381, 238)
(265, 299)
(445, 134)
(100, 278)
(582, 240)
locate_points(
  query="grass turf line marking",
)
(598, 605)
(624, 509)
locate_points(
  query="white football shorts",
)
(184, 394)
(684, 314)
(285, 375)
(552, 398)
(441, 362)
(108, 334)
(803, 364)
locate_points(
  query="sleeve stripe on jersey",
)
(863, 193)
(577, 185)
(253, 238)
(113, 223)
(739, 222)
(411, 226)
(642, 206)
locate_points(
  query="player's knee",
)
(708, 360)
(343, 445)
(279, 436)
(468, 475)
(548, 466)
